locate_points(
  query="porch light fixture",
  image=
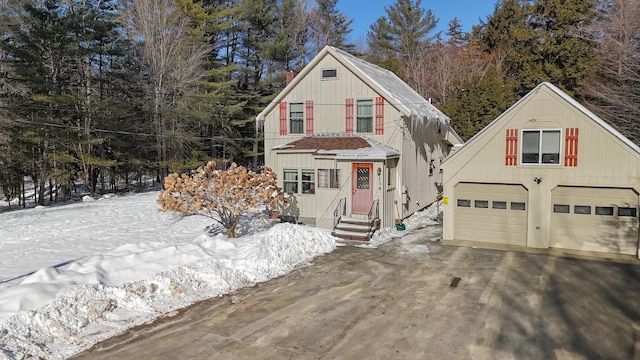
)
(537, 180)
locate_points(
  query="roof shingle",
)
(329, 143)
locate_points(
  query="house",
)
(351, 141)
(547, 173)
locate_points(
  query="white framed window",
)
(290, 181)
(540, 146)
(329, 74)
(308, 181)
(364, 116)
(329, 178)
(296, 118)
(294, 183)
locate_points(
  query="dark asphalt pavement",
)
(411, 298)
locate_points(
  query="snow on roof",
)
(397, 91)
(342, 146)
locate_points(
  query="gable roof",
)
(395, 91)
(341, 146)
(565, 97)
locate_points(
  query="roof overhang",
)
(339, 147)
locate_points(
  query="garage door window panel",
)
(540, 147)
(627, 212)
(499, 205)
(483, 204)
(518, 206)
(582, 209)
(604, 210)
(560, 208)
(464, 203)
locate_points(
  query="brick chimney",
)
(290, 75)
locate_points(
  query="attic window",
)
(329, 73)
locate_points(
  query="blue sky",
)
(366, 12)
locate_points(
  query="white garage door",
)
(594, 219)
(495, 213)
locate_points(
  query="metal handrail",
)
(339, 212)
(374, 214)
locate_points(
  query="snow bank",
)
(79, 316)
(75, 275)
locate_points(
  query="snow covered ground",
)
(73, 275)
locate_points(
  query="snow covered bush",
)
(222, 195)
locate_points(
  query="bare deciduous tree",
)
(438, 71)
(614, 93)
(172, 57)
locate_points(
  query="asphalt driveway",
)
(412, 298)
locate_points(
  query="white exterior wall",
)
(421, 145)
(329, 117)
(603, 161)
(329, 97)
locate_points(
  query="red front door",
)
(362, 188)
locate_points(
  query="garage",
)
(594, 219)
(495, 213)
(579, 177)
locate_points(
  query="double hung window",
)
(290, 181)
(364, 116)
(296, 118)
(329, 178)
(295, 180)
(308, 182)
(540, 147)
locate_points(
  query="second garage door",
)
(495, 213)
(594, 219)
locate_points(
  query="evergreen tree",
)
(400, 39)
(252, 89)
(330, 26)
(478, 101)
(455, 33)
(288, 49)
(540, 41)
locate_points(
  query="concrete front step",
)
(351, 220)
(351, 235)
(365, 227)
(357, 229)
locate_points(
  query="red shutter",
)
(511, 158)
(571, 147)
(309, 117)
(379, 115)
(349, 116)
(283, 118)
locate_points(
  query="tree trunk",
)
(51, 189)
(231, 231)
(24, 195)
(41, 191)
